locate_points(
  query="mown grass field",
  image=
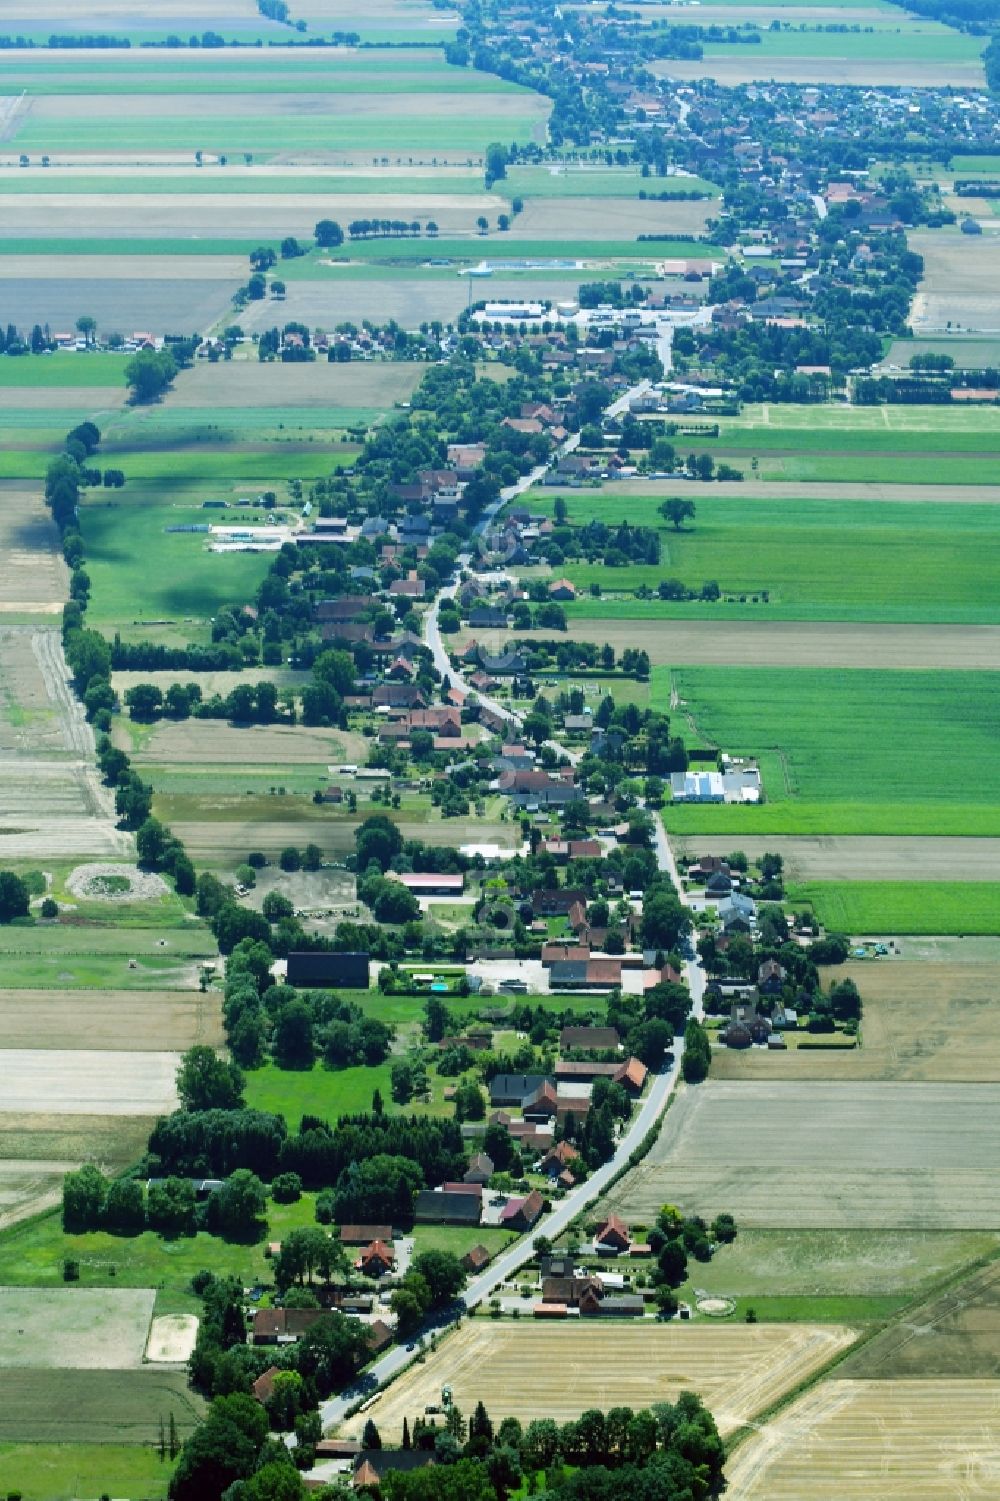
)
(62, 1472)
(848, 752)
(329, 1093)
(110, 1407)
(878, 907)
(76, 369)
(835, 560)
(596, 182)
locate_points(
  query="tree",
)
(444, 1274)
(664, 919)
(377, 841)
(370, 1437)
(697, 1059)
(170, 1206)
(275, 906)
(237, 1208)
(14, 897)
(149, 373)
(483, 224)
(437, 1019)
(328, 234)
(87, 326)
(125, 1209)
(84, 1197)
(293, 1043)
(677, 511)
(207, 1082)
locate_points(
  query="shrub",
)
(286, 1188)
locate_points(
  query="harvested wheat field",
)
(63, 1081)
(34, 577)
(905, 1156)
(713, 643)
(206, 742)
(738, 1370)
(958, 287)
(883, 857)
(27, 1187)
(921, 1021)
(854, 1440)
(251, 384)
(116, 1020)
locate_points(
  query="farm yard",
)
(737, 1370)
(907, 1156)
(925, 1440)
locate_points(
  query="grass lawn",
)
(461, 1238)
(63, 1472)
(873, 737)
(327, 1093)
(192, 940)
(877, 907)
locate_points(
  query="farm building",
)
(364, 1235)
(612, 1237)
(476, 1259)
(336, 971)
(521, 1214)
(283, 1326)
(742, 786)
(514, 1089)
(430, 883)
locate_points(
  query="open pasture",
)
(112, 1020)
(852, 1156)
(63, 1472)
(875, 908)
(63, 1081)
(77, 1328)
(959, 283)
(108, 1406)
(922, 1021)
(736, 1370)
(922, 1440)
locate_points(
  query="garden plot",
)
(869, 1440)
(836, 1155)
(61, 1081)
(77, 1328)
(737, 1370)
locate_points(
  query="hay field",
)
(959, 282)
(825, 1155)
(574, 219)
(120, 305)
(247, 383)
(110, 1020)
(209, 743)
(832, 857)
(923, 1021)
(951, 1335)
(869, 1440)
(736, 1370)
(63, 1081)
(76, 1328)
(96, 1407)
(30, 1185)
(800, 644)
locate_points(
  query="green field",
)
(266, 135)
(819, 560)
(976, 166)
(879, 907)
(329, 1093)
(64, 1472)
(191, 940)
(77, 369)
(886, 741)
(411, 72)
(96, 1407)
(216, 181)
(596, 182)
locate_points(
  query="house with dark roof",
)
(435, 1207)
(514, 1089)
(556, 902)
(376, 1259)
(770, 978)
(329, 970)
(595, 1039)
(372, 1465)
(480, 1169)
(283, 1326)
(363, 1235)
(477, 1259)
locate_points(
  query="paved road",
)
(651, 1110)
